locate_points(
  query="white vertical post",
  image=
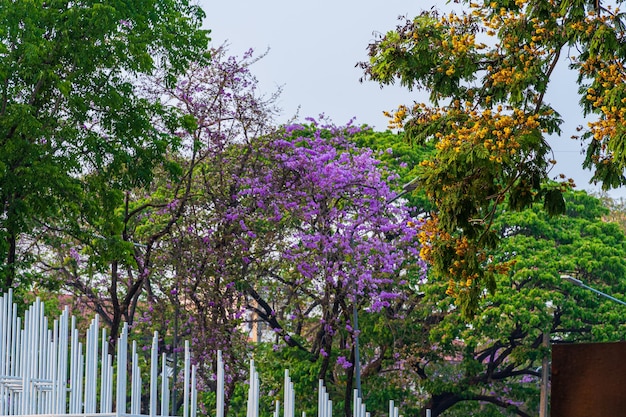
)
(5, 361)
(277, 409)
(4, 323)
(194, 392)
(17, 367)
(256, 393)
(154, 372)
(135, 387)
(219, 412)
(122, 352)
(165, 387)
(288, 396)
(253, 392)
(250, 388)
(186, 381)
(5, 355)
(54, 366)
(47, 369)
(80, 378)
(73, 367)
(106, 394)
(108, 405)
(26, 365)
(91, 366)
(320, 398)
(292, 400)
(62, 361)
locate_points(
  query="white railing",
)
(49, 372)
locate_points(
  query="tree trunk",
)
(9, 278)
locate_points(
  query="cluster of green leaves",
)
(495, 358)
(74, 132)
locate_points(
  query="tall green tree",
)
(487, 70)
(74, 132)
(424, 354)
(491, 366)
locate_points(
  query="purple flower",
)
(345, 364)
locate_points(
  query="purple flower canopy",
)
(335, 195)
(331, 196)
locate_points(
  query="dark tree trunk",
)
(9, 278)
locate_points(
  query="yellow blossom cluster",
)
(526, 47)
(397, 117)
(463, 43)
(461, 249)
(497, 132)
(428, 233)
(460, 40)
(609, 98)
(462, 278)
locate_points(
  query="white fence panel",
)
(50, 372)
(35, 361)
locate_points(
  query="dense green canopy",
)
(73, 129)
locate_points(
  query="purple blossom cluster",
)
(345, 235)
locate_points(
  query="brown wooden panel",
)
(588, 379)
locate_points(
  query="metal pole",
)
(579, 283)
(406, 188)
(543, 399)
(175, 349)
(357, 359)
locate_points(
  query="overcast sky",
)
(313, 50)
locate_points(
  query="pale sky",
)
(313, 50)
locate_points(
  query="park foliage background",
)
(144, 178)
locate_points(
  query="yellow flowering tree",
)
(487, 70)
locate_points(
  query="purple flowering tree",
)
(317, 239)
(344, 243)
(247, 230)
(286, 235)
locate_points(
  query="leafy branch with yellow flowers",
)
(487, 70)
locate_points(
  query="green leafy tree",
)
(75, 134)
(490, 366)
(423, 354)
(487, 71)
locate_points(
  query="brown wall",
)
(589, 379)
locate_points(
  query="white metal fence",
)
(46, 370)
